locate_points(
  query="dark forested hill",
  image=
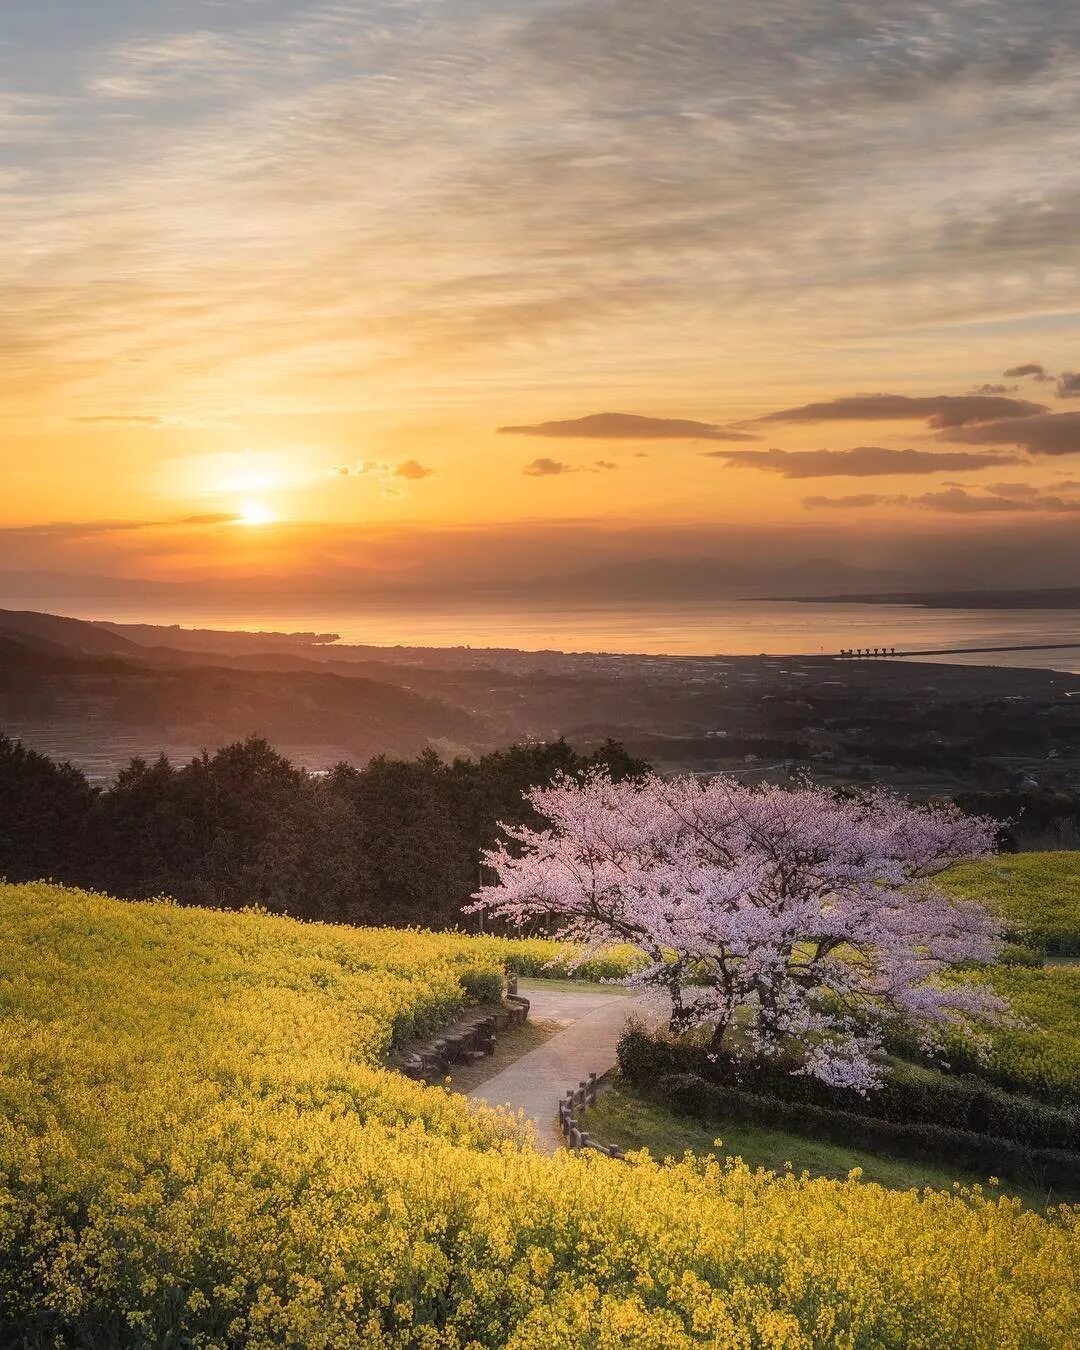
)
(41, 684)
(397, 841)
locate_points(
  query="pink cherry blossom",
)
(780, 917)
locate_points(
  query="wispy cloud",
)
(1004, 499)
(864, 461)
(82, 529)
(120, 419)
(630, 427)
(854, 501)
(1028, 370)
(377, 468)
(553, 468)
(1046, 434)
(939, 410)
(433, 190)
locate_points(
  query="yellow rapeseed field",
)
(1037, 894)
(199, 1148)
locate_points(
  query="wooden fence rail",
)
(577, 1099)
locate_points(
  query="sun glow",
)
(255, 513)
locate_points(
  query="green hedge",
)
(911, 1094)
(1049, 1168)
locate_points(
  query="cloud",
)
(363, 468)
(994, 389)
(551, 209)
(145, 420)
(630, 427)
(410, 469)
(1030, 369)
(1068, 385)
(1019, 490)
(958, 501)
(121, 419)
(853, 502)
(546, 468)
(84, 529)
(864, 461)
(942, 410)
(166, 67)
(209, 518)
(549, 468)
(1005, 499)
(413, 470)
(1044, 434)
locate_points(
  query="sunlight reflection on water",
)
(700, 628)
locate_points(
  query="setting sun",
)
(255, 513)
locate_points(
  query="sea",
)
(687, 628)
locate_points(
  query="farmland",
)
(200, 1144)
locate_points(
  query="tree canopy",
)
(394, 841)
(791, 920)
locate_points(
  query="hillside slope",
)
(197, 1146)
(44, 686)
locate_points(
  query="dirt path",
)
(592, 1020)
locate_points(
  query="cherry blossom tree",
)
(784, 918)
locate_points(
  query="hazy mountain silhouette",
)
(720, 578)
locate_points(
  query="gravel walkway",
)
(594, 1021)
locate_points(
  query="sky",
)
(424, 291)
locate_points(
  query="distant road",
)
(960, 651)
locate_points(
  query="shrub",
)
(1050, 1168)
(1015, 954)
(909, 1093)
(547, 959)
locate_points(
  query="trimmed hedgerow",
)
(1050, 1168)
(911, 1093)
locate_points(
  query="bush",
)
(1014, 954)
(483, 986)
(910, 1093)
(1050, 1168)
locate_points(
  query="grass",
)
(570, 986)
(630, 1120)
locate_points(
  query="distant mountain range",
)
(700, 578)
(1050, 597)
(720, 578)
(71, 687)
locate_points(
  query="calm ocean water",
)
(700, 628)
